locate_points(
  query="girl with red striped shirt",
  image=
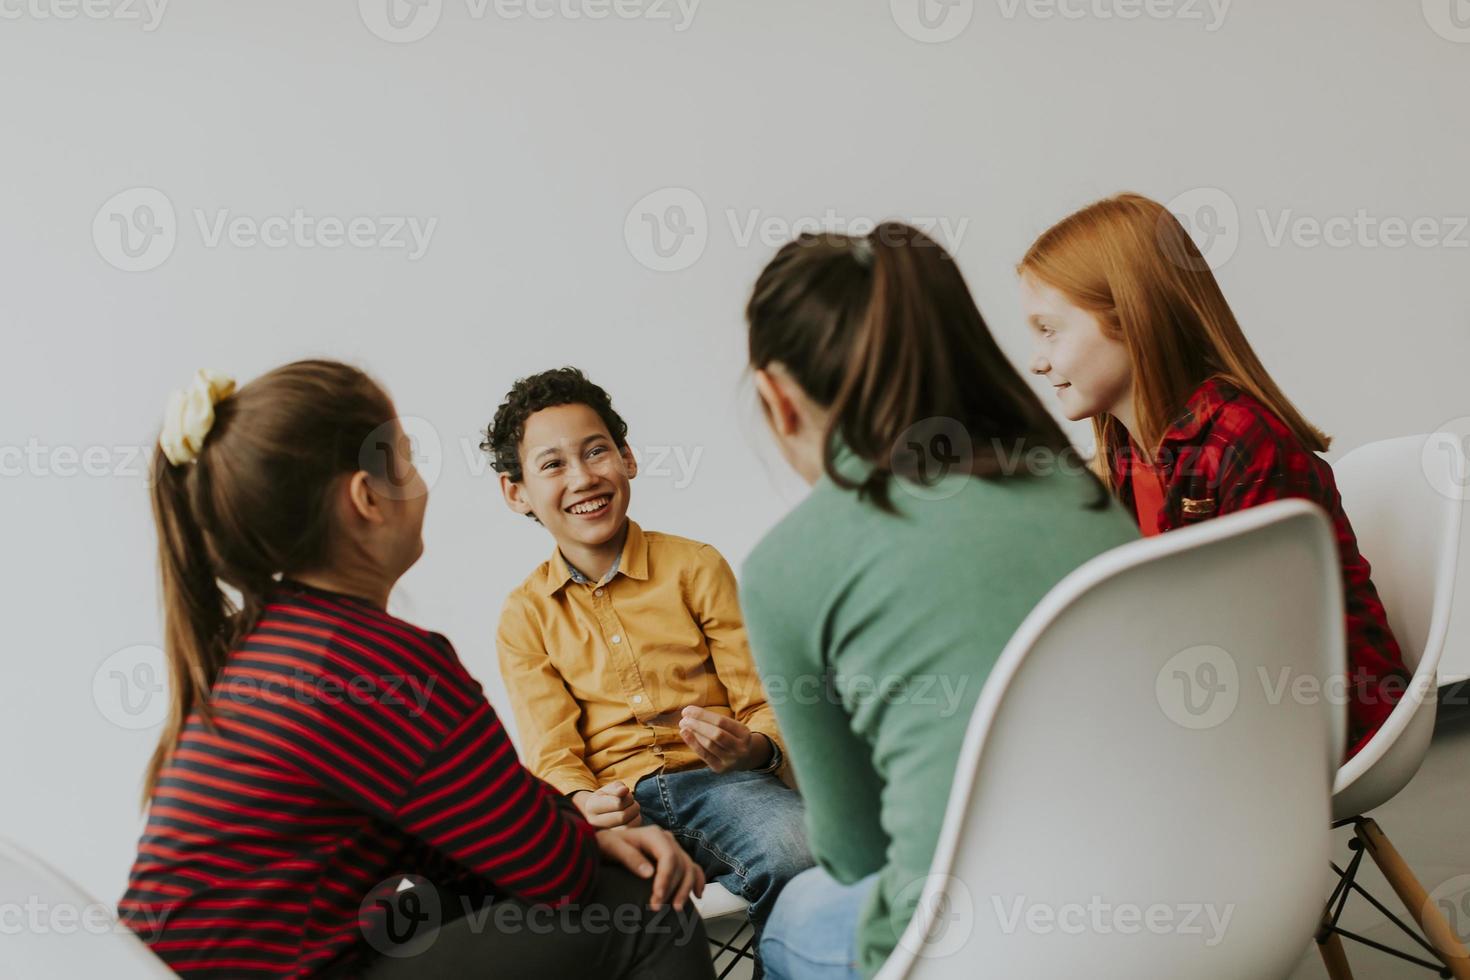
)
(333, 795)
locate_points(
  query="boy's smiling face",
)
(574, 477)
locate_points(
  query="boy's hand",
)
(723, 743)
(653, 852)
(612, 805)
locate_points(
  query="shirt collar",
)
(1204, 403)
(581, 579)
(633, 562)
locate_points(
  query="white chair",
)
(53, 930)
(717, 904)
(1404, 497)
(1136, 796)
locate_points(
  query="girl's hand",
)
(652, 851)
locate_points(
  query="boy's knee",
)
(789, 861)
(786, 852)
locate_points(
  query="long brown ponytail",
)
(882, 330)
(253, 505)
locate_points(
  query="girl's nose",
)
(1040, 365)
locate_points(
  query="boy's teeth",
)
(590, 506)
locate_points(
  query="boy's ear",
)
(630, 461)
(514, 494)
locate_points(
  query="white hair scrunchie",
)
(190, 414)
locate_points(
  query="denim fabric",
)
(745, 829)
(812, 932)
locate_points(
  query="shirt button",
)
(617, 638)
(598, 592)
(637, 699)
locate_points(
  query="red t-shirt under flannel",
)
(1227, 452)
(350, 749)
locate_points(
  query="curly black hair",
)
(559, 386)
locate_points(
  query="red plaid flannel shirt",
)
(1227, 452)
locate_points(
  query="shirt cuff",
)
(777, 759)
(568, 781)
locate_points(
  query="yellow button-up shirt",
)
(599, 673)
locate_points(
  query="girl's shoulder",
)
(1223, 416)
(357, 627)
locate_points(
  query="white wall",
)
(529, 140)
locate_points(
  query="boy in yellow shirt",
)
(625, 653)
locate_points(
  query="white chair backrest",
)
(1144, 786)
(50, 929)
(1404, 499)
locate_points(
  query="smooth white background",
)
(531, 141)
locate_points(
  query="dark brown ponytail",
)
(882, 330)
(251, 507)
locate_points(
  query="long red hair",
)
(1129, 262)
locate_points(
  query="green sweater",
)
(910, 612)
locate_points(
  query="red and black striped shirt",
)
(349, 749)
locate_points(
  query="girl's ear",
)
(514, 494)
(779, 406)
(363, 501)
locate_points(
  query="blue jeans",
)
(745, 829)
(812, 933)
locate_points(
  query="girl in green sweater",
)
(946, 502)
